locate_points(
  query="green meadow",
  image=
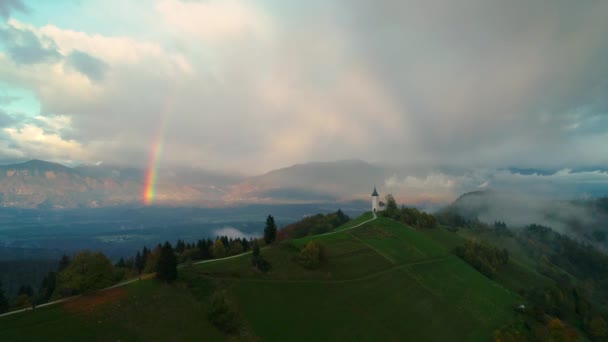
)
(381, 281)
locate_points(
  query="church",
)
(376, 204)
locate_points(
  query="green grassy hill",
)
(381, 281)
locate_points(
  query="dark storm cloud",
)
(488, 81)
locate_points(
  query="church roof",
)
(375, 193)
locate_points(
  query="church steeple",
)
(375, 200)
(375, 193)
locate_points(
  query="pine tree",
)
(64, 262)
(47, 287)
(270, 231)
(121, 263)
(140, 262)
(167, 264)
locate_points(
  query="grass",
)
(145, 310)
(518, 275)
(382, 281)
(356, 221)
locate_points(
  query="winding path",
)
(179, 266)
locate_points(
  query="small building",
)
(375, 200)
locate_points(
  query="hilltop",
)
(382, 280)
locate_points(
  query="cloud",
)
(5, 119)
(88, 65)
(444, 185)
(213, 20)
(434, 186)
(31, 140)
(253, 85)
(24, 47)
(8, 6)
(231, 233)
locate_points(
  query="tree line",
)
(87, 271)
(313, 225)
(410, 216)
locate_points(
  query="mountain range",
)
(42, 184)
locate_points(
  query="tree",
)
(121, 263)
(312, 255)
(64, 262)
(598, 328)
(257, 260)
(152, 260)
(270, 231)
(167, 264)
(391, 207)
(3, 300)
(218, 250)
(342, 218)
(180, 246)
(47, 287)
(235, 248)
(140, 263)
(255, 250)
(88, 271)
(222, 315)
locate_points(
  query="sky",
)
(251, 86)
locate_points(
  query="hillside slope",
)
(382, 281)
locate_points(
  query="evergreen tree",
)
(167, 264)
(64, 262)
(140, 263)
(180, 246)
(342, 218)
(25, 290)
(47, 287)
(225, 241)
(270, 231)
(257, 260)
(3, 300)
(121, 263)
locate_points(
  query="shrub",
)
(222, 315)
(312, 255)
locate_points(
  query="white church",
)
(376, 204)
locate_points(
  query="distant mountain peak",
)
(38, 164)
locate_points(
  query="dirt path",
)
(148, 276)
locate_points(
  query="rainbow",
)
(152, 170)
(149, 190)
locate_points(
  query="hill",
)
(315, 181)
(381, 281)
(581, 219)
